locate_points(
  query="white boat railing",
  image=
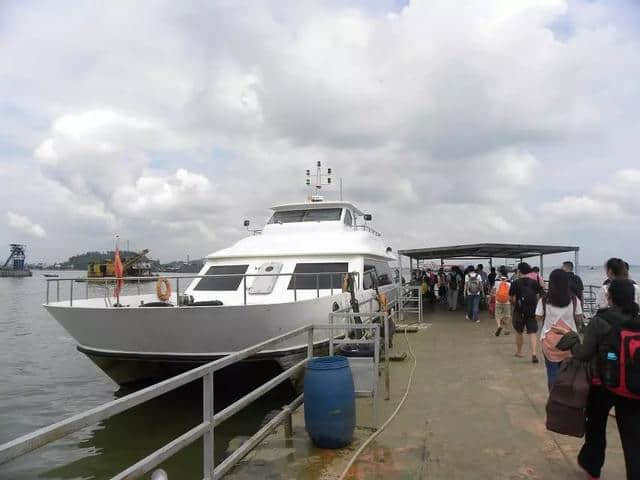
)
(210, 420)
(108, 283)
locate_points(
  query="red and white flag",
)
(117, 267)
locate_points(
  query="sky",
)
(169, 123)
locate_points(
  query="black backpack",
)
(527, 294)
(453, 281)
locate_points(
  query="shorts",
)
(503, 313)
(525, 318)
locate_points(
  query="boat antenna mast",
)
(322, 179)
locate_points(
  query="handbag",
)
(568, 399)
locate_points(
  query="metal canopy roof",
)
(486, 250)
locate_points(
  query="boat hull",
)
(138, 344)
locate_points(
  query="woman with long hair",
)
(603, 332)
(557, 308)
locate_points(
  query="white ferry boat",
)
(288, 275)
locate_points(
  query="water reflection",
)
(120, 441)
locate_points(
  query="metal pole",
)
(244, 288)
(542, 266)
(71, 294)
(387, 379)
(47, 302)
(310, 342)
(178, 291)
(376, 363)
(577, 266)
(138, 287)
(317, 286)
(207, 416)
(86, 289)
(58, 290)
(419, 306)
(295, 290)
(331, 280)
(331, 335)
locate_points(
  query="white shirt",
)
(601, 296)
(555, 314)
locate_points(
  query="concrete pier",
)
(474, 412)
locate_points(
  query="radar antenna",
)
(322, 179)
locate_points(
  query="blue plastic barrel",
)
(329, 402)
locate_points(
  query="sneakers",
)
(498, 331)
(477, 321)
(534, 359)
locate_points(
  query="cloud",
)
(23, 225)
(502, 121)
(614, 200)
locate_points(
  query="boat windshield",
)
(310, 215)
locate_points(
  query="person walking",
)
(503, 302)
(524, 293)
(575, 282)
(615, 377)
(492, 277)
(535, 274)
(455, 282)
(473, 292)
(615, 268)
(442, 286)
(561, 309)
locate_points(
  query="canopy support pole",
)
(577, 265)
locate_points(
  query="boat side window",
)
(310, 215)
(324, 282)
(367, 278)
(348, 219)
(384, 273)
(222, 283)
(380, 269)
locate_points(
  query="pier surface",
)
(474, 412)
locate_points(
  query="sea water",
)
(45, 379)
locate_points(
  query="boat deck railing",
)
(367, 228)
(106, 285)
(206, 428)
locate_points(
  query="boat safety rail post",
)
(207, 418)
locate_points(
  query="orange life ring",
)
(163, 289)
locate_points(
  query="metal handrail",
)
(367, 228)
(107, 281)
(43, 436)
